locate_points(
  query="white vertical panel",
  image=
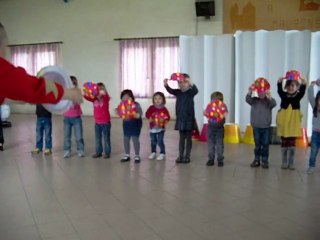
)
(245, 73)
(219, 69)
(210, 62)
(270, 55)
(314, 73)
(192, 62)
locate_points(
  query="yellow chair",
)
(248, 135)
(232, 133)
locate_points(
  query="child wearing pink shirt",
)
(101, 116)
(72, 118)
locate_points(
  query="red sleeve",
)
(167, 112)
(149, 112)
(16, 84)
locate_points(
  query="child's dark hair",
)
(74, 80)
(186, 75)
(127, 92)
(217, 95)
(161, 95)
(289, 82)
(315, 109)
(100, 84)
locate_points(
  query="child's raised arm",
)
(311, 94)
(169, 89)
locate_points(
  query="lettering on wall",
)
(271, 15)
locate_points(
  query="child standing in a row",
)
(72, 118)
(156, 131)
(315, 138)
(102, 120)
(289, 118)
(260, 118)
(131, 129)
(185, 121)
(43, 128)
(215, 134)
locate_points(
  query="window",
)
(35, 57)
(144, 63)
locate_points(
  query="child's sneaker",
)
(255, 164)
(1, 147)
(152, 156)
(97, 155)
(47, 151)
(265, 165)
(161, 157)
(210, 163)
(126, 158)
(136, 159)
(36, 151)
(179, 159)
(220, 164)
(67, 154)
(291, 166)
(310, 170)
(80, 153)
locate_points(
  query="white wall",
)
(88, 27)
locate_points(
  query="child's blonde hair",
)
(217, 95)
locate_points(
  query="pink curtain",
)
(35, 57)
(144, 63)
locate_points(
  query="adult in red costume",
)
(16, 84)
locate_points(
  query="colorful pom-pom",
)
(90, 90)
(127, 110)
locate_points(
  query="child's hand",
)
(268, 94)
(165, 81)
(281, 79)
(73, 94)
(250, 90)
(303, 81)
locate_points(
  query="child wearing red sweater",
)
(157, 126)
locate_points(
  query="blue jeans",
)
(261, 140)
(157, 138)
(76, 122)
(103, 129)
(44, 127)
(315, 144)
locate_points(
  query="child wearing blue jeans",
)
(315, 138)
(260, 119)
(156, 131)
(72, 118)
(44, 128)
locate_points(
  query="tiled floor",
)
(52, 198)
